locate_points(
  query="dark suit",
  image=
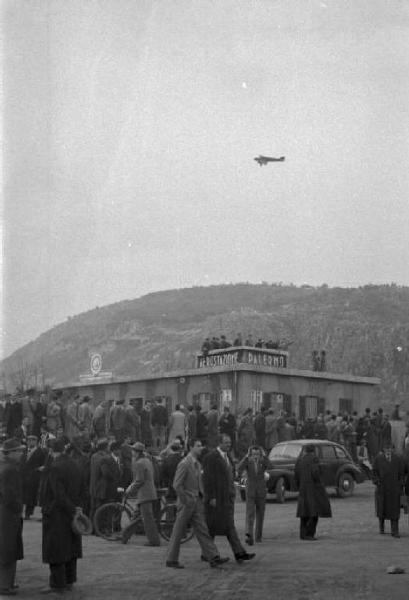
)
(260, 429)
(13, 416)
(201, 427)
(167, 473)
(31, 478)
(38, 411)
(11, 523)
(389, 479)
(218, 483)
(312, 500)
(227, 425)
(104, 479)
(256, 492)
(61, 546)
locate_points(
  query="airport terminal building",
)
(238, 377)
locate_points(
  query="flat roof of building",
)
(240, 367)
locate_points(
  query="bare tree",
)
(22, 374)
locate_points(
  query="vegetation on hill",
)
(361, 330)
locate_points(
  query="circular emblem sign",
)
(96, 364)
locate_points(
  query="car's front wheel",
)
(280, 490)
(346, 485)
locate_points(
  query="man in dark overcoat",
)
(103, 477)
(388, 476)
(245, 433)
(11, 508)
(31, 474)
(260, 428)
(61, 545)
(212, 426)
(219, 494)
(385, 432)
(80, 452)
(227, 425)
(201, 425)
(117, 419)
(372, 438)
(168, 470)
(313, 501)
(191, 425)
(132, 422)
(13, 415)
(146, 429)
(38, 410)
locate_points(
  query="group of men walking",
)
(207, 502)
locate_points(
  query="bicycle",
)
(112, 518)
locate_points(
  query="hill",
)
(360, 329)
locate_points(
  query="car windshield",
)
(285, 451)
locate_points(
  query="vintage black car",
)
(338, 469)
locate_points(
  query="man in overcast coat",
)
(312, 500)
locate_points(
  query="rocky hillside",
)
(360, 329)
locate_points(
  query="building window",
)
(225, 398)
(278, 401)
(205, 400)
(256, 400)
(311, 407)
(345, 405)
(287, 404)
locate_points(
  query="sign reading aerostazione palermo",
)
(229, 357)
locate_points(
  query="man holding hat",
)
(61, 502)
(11, 508)
(144, 486)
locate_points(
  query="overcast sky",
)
(130, 130)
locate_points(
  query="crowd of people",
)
(70, 461)
(217, 342)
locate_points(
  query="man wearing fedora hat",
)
(103, 477)
(388, 476)
(143, 485)
(62, 546)
(313, 501)
(11, 508)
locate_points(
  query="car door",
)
(328, 464)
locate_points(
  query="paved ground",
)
(348, 561)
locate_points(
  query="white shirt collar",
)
(223, 454)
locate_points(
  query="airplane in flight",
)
(263, 160)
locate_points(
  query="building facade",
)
(238, 377)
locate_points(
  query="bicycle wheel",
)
(109, 520)
(166, 522)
